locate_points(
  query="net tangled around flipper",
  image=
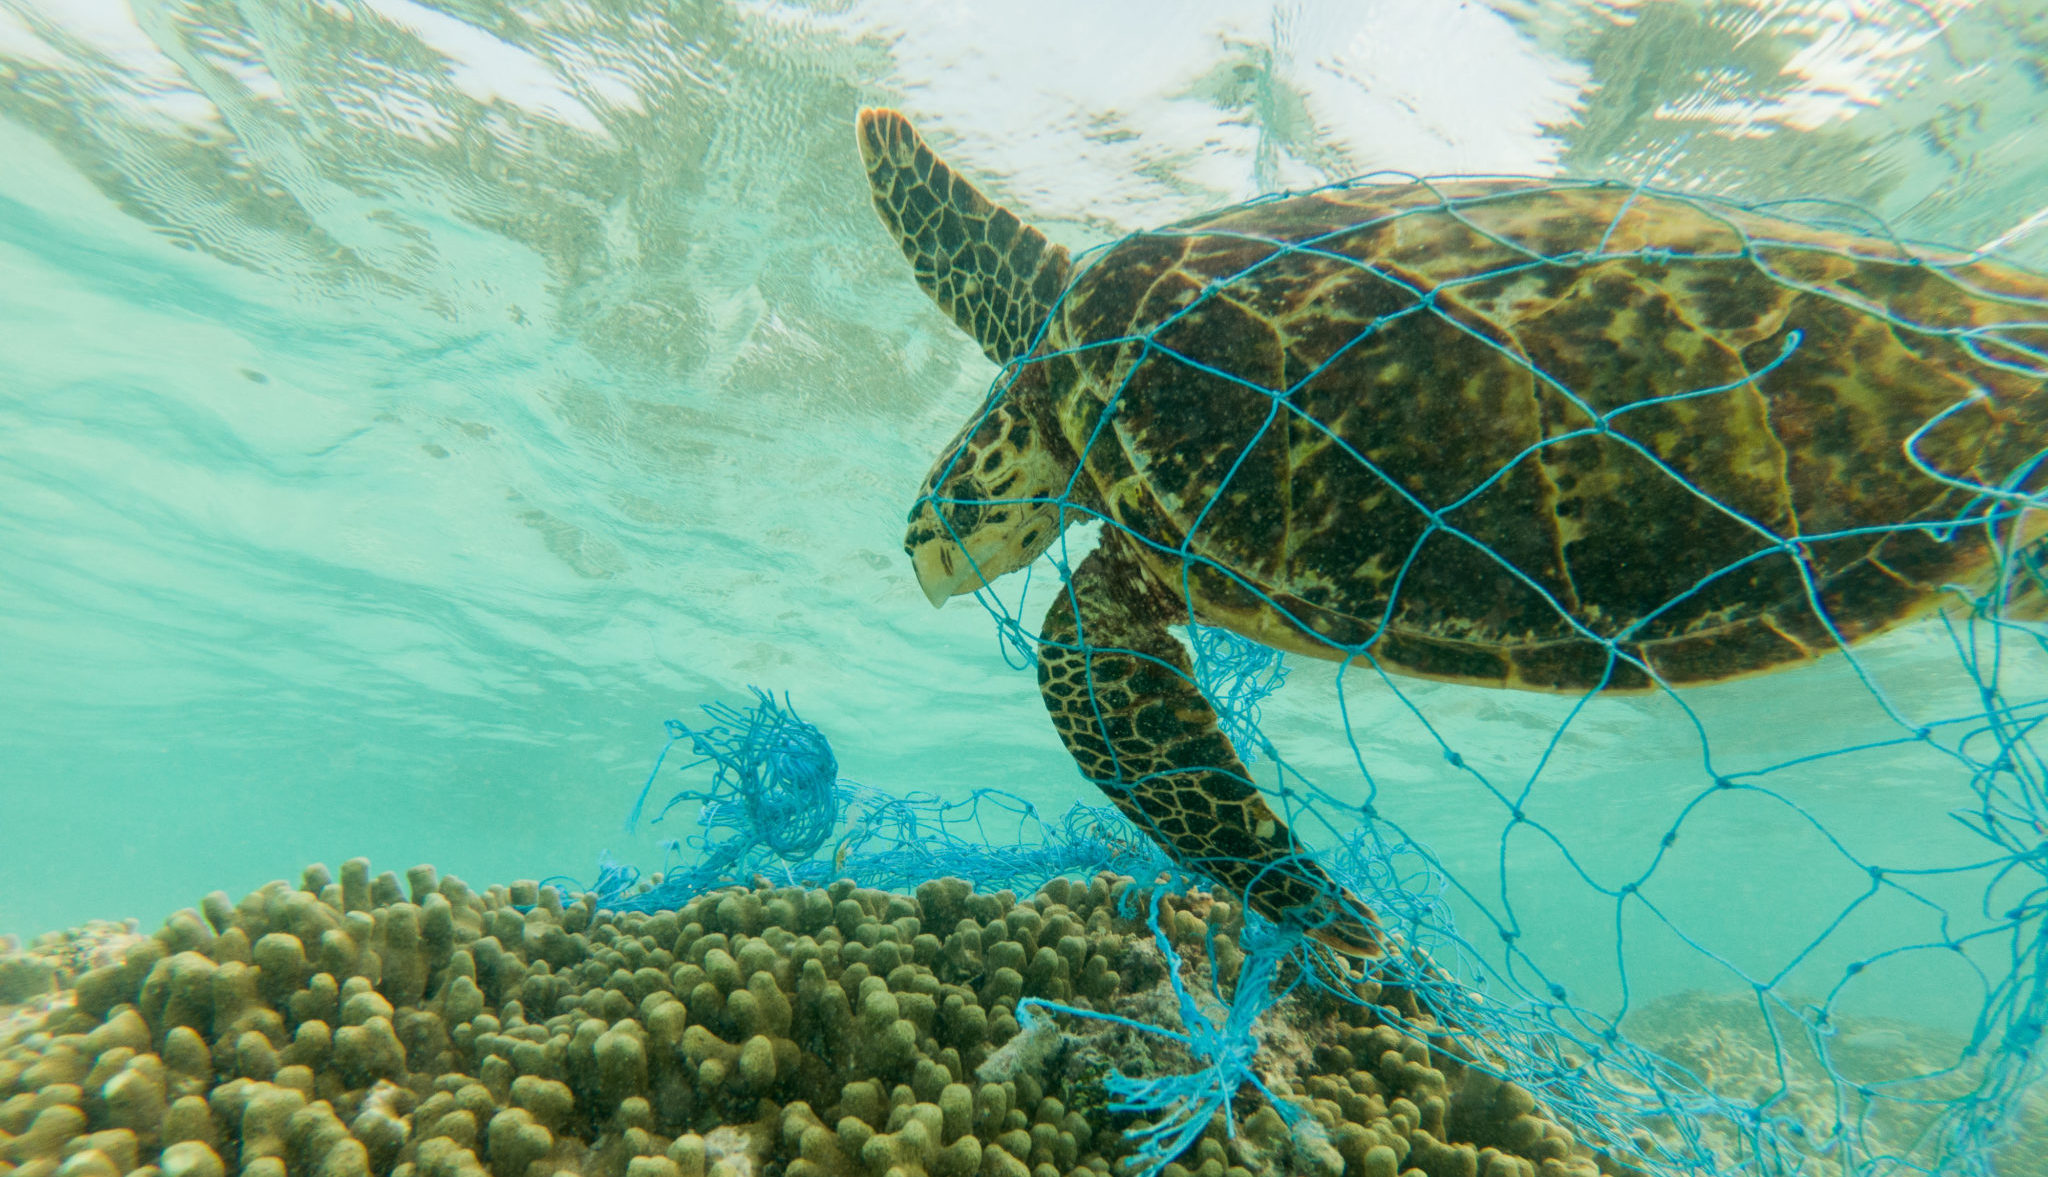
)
(1236, 674)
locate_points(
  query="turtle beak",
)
(942, 571)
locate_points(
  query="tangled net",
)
(1236, 674)
(776, 808)
(772, 781)
(1179, 1108)
(1813, 1103)
(1645, 1094)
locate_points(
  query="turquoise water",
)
(406, 408)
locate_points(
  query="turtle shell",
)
(1551, 436)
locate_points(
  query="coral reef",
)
(420, 1029)
(36, 978)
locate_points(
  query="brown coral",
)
(373, 1028)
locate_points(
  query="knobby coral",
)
(366, 1027)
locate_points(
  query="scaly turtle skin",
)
(1553, 436)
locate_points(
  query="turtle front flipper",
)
(1122, 693)
(995, 275)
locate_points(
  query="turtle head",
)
(992, 503)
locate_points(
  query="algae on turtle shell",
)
(364, 1028)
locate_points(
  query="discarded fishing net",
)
(1181, 1106)
(775, 809)
(1583, 438)
(773, 778)
(1236, 674)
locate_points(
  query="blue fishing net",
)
(775, 808)
(1763, 1062)
(1180, 1107)
(773, 779)
(1236, 674)
(1554, 1002)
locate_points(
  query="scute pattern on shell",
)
(1484, 428)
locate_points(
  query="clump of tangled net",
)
(776, 808)
(1236, 674)
(1811, 1099)
(1218, 1034)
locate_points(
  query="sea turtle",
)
(1537, 434)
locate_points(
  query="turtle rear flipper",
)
(1122, 694)
(995, 275)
